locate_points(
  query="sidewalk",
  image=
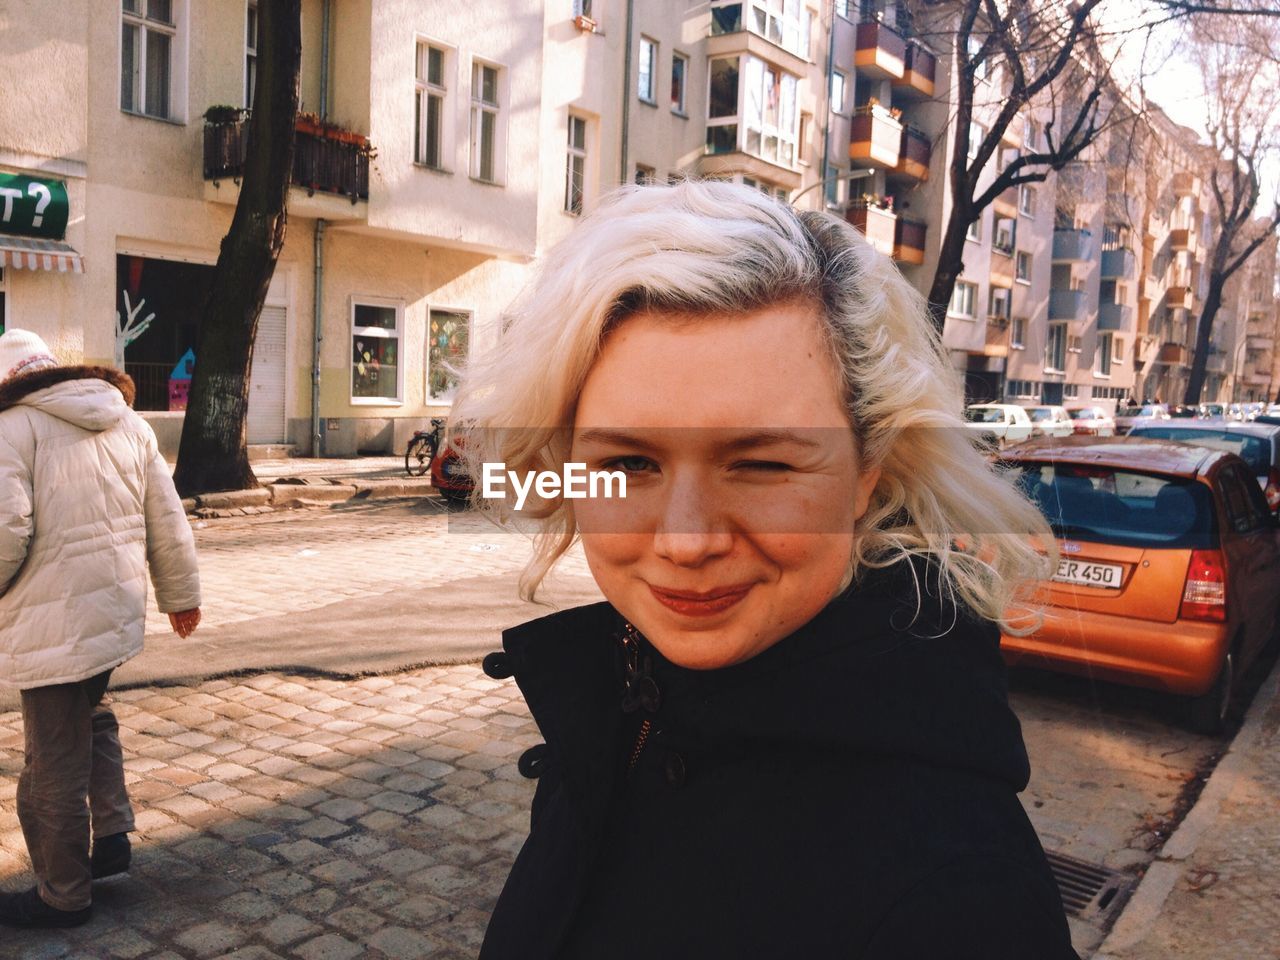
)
(1214, 891)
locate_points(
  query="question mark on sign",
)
(46, 198)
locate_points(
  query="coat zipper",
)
(641, 738)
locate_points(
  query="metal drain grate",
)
(1088, 891)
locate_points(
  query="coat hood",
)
(90, 397)
(873, 674)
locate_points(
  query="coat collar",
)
(13, 391)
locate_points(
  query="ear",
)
(866, 486)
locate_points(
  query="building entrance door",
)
(266, 419)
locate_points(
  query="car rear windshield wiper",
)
(1073, 530)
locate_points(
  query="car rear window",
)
(1126, 508)
(984, 415)
(1255, 451)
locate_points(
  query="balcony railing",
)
(1186, 184)
(919, 70)
(881, 53)
(875, 137)
(878, 225)
(1072, 245)
(1172, 354)
(321, 162)
(1182, 238)
(914, 153)
(1119, 263)
(1114, 316)
(1177, 296)
(908, 241)
(1068, 304)
(1006, 203)
(1001, 268)
(1260, 343)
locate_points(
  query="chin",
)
(706, 649)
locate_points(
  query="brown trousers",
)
(72, 754)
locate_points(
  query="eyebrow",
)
(758, 438)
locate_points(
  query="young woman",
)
(786, 732)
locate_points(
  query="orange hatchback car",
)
(1169, 575)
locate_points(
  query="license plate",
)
(1105, 575)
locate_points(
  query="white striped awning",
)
(27, 253)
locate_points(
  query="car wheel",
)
(456, 498)
(1208, 712)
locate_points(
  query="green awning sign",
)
(31, 207)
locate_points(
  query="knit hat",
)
(21, 351)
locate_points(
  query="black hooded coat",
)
(850, 792)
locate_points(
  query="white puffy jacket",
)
(86, 505)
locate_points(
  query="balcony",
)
(919, 70)
(1118, 264)
(1182, 239)
(1006, 204)
(1257, 377)
(1071, 245)
(1186, 184)
(1068, 304)
(1001, 268)
(1114, 316)
(914, 153)
(880, 53)
(1177, 296)
(1171, 354)
(1259, 343)
(908, 241)
(1216, 362)
(875, 137)
(878, 225)
(325, 160)
(996, 337)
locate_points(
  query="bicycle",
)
(422, 449)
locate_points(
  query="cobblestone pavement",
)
(295, 817)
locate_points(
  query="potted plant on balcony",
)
(222, 114)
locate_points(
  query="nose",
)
(691, 529)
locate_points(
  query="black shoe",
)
(111, 856)
(28, 910)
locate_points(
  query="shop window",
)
(171, 295)
(448, 340)
(375, 351)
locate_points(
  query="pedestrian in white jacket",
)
(87, 505)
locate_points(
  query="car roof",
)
(1124, 453)
(1262, 430)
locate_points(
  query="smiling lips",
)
(693, 604)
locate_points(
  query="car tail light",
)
(1273, 489)
(1205, 595)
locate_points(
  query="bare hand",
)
(184, 624)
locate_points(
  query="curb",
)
(1146, 904)
(292, 493)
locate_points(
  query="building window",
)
(485, 111)
(1003, 239)
(149, 36)
(1105, 346)
(647, 81)
(429, 107)
(838, 84)
(1117, 353)
(974, 231)
(999, 303)
(1030, 135)
(679, 71)
(981, 69)
(1018, 333)
(375, 351)
(977, 133)
(769, 112)
(1023, 389)
(802, 138)
(582, 8)
(1055, 349)
(1074, 344)
(831, 186)
(645, 175)
(1070, 391)
(1022, 266)
(783, 22)
(448, 339)
(4, 315)
(964, 299)
(843, 9)
(250, 53)
(1026, 200)
(575, 165)
(722, 106)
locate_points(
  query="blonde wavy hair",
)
(707, 247)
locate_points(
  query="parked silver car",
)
(1258, 444)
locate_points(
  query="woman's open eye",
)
(634, 464)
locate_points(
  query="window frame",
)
(1017, 333)
(650, 175)
(1057, 330)
(976, 141)
(250, 52)
(427, 398)
(177, 31)
(1026, 190)
(733, 120)
(359, 300)
(1102, 355)
(972, 299)
(1018, 256)
(424, 90)
(840, 108)
(576, 162)
(974, 231)
(647, 95)
(480, 107)
(680, 108)
(4, 301)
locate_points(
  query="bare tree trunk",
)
(213, 453)
(950, 266)
(1204, 331)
